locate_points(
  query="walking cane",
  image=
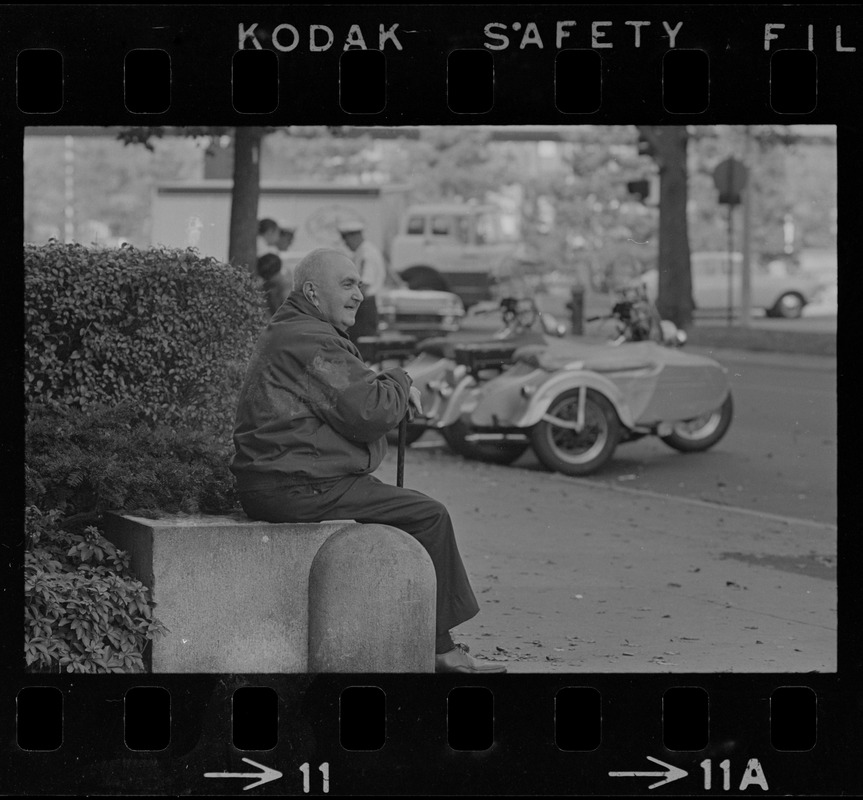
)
(400, 468)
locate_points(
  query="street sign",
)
(730, 177)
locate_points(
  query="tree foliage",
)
(594, 220)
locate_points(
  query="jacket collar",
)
(297, 302)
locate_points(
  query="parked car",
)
(419, 312)
(779, 292)
(825, 302)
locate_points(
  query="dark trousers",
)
(366, 323)
(366, 500)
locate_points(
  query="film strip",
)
(657, 730)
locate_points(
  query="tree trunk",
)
(242, 246)
(674, 295)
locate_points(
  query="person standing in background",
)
(286, 276)
(268, 237)
(373, 272)
(276, 286)
(285, 239)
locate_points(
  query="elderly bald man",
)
(311, 429)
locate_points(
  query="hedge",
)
(133, 360)
(106, 459)
(168, 330)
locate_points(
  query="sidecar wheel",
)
(563, 449)
(503, 452)
(413, 432)
(702, 433)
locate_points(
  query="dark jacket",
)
(310, 408)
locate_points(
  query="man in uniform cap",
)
(285, 239)
(373, 272)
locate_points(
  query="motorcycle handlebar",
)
(511, 306)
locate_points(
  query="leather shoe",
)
(458, 660)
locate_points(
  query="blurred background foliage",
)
(569, 194)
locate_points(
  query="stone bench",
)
(239, 596)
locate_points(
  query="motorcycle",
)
(574, 402)
(434, 370)
(638, 320)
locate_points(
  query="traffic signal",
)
(645, 146)
(640, 188)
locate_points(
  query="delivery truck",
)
(457, 247)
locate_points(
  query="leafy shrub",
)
(133, 362)
(83, 611)
(166, 329)
(79, 462)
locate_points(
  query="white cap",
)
(351, 226)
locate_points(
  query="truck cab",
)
(453, 247)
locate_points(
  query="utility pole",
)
(746, 275)
(730, 178)
(69, 189)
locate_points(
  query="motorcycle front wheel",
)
(697, 435)
(504, 451)
(562, 449)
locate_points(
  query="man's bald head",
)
(330, 281)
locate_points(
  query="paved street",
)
(579, 576)
(717, 562)
(779, 456)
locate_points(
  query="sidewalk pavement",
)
(762, 357)
(577, 576)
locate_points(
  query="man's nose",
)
(358, 294)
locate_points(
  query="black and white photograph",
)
(595, 381)
(444, 399)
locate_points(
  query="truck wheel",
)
(697, 435)
(424, 278)
(504, 451)
(572, 453)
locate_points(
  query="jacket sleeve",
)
(360, 404)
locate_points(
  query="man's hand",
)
(415, 404)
